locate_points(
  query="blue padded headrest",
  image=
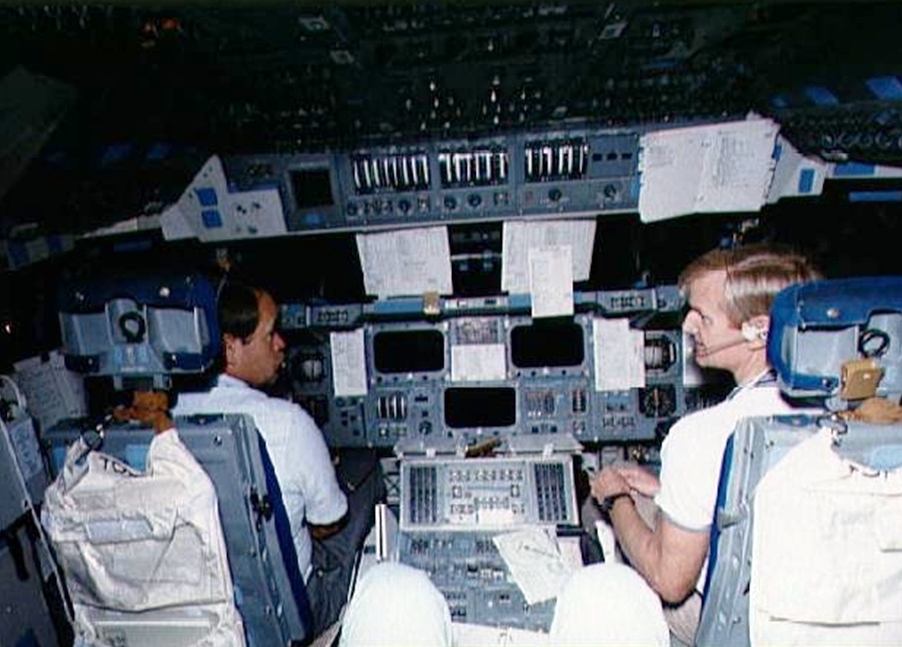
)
(139, 326)
(817, 327)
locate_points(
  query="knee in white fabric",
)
(608, 604)
(396, 605)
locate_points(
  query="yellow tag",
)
(859, 379)
(432, 306)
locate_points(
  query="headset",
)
(747, 333)
(751, 332)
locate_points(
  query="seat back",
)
(268, 592)
(840, 342)
(730, 611)
(140, 331)
(31, 590)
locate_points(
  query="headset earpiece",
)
(751, 332)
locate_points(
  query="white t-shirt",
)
(296, 448)
(692, 453)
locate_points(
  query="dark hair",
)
(237, 309)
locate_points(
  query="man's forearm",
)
(636, 540)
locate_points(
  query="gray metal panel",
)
(757, 445)
(227, 447)
(21, 470)
(25, 618)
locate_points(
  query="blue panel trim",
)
(778, 150)
(779, 101)
(18, 254)
(885, 457)
(211, 218)
(115, 153)
(831, 304)
(54, 244)
(726, 466)
(159, 151)
(313, 219)
(136, 455)
(635, 187)
(183, 292)
(520, 301)
(28, 639)
(821, 96)
(806, 180)
(853, 169)
(875, 196)
(398, 306)
(206, 196)
(57, 458)
(887, 88)
(132, 246)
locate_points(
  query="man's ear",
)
(230, 349)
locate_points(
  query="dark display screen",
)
(480, 407)
(547, 344)
(409, 351)
(311, 187)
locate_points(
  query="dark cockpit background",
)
(143, 94)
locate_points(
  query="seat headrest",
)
(839, 339)
(140, 328)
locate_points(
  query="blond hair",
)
(754, 276)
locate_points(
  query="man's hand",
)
(608, 483)
(624, 477)
(640, 479)
(325, 531)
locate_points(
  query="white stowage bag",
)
(143, 543)
(826, 551)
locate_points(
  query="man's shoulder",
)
(726, 414)
(699, 417)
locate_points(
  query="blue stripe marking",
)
(54, 244)
(136, 455)
(159, 151)
(806, 180)
(211, 218)
(875, 196)
(821, 96)
(115, 153)
(206, 196)
(399, 306)
(779, 101)
(519, 300)
(853, 169)
(887, 88)
(18, 254)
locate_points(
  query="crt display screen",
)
(480, 407)
(408, 351)
(311, 187)
(547, 344)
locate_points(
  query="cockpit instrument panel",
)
(483, 368)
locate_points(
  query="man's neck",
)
(233, 376)
(750, 371)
